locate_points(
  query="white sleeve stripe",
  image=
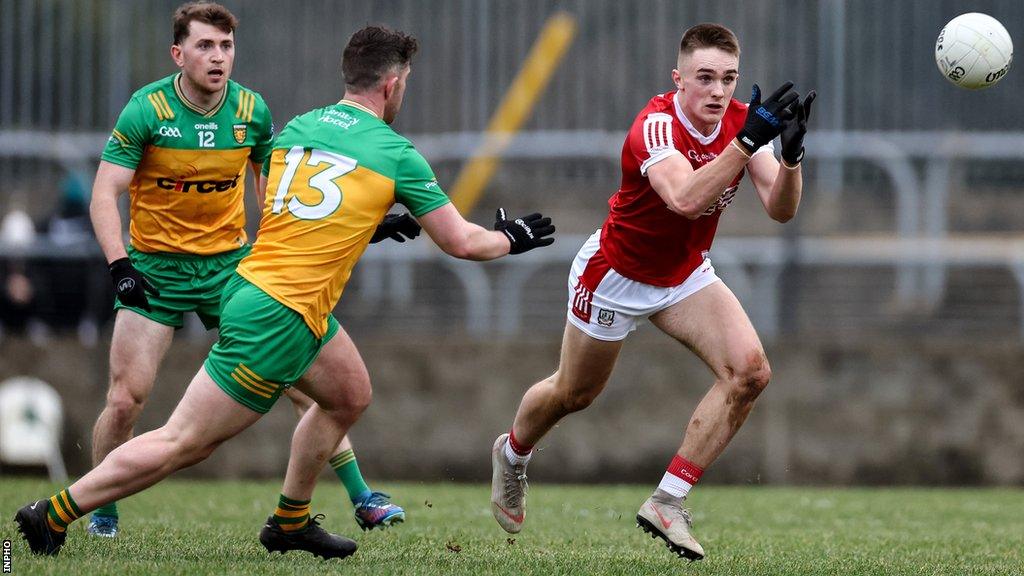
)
(656, 133)
(648, 133)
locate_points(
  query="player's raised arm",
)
(690, 192)
(462, 239)
(780, 185)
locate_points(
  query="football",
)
(974, 51)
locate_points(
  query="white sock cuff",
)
(675, 485)
(514, 458)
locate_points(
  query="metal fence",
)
(897, 152)
(72, 64)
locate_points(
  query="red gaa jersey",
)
(642, 239)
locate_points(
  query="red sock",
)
(516, 446)
(680, 476)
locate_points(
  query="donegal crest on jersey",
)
(187, 192)
(333, 175)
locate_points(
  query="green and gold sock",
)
(63, 511)
(291, 515)
(347, 469)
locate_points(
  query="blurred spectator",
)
(76, 294)
(16, 298)
(69, 225)
(18, 293)
(16, 230)
(54, 280)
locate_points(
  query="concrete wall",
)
(878, 412)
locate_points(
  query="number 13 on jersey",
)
(311, 170)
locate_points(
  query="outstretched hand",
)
(795, 129)
(525, 233)
(765, 120)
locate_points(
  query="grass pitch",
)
(183, 527)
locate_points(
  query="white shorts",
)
(607, 306)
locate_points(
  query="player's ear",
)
(390, 83)
(677, 78)
(176, 55)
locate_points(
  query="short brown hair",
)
(709, 35)
(372, 52)
(206, 12)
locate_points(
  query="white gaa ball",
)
(974, 51)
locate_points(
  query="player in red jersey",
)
(681, 164)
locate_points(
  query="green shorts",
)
(187, 283)
(264, 346)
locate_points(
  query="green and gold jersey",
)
(190, 165)
(333, 175)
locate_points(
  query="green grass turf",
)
(183, 527)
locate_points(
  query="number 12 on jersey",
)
(321, 180)
(206, 139)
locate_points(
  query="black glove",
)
(130, 285)
(765, 120)
(793, 132)
(525, 233)
(398, 227)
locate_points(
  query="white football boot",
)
(508, 489)
(663, 516)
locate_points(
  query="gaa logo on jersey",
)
(605, 317)
(239, 131)
(170, 131)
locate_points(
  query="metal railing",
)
(496, 302)
(750, 265)
(919, 249)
